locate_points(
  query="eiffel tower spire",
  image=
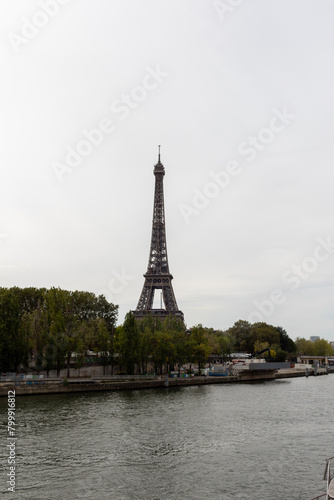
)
(157, 276)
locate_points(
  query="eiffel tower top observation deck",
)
(157, 276)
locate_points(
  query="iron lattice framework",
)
(158, 276)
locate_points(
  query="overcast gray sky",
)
(240, 96)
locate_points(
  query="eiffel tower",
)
(157, 276)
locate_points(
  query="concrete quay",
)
(57, 386)
(77, 385)
(300, 372)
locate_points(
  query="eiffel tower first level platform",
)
(158, 276)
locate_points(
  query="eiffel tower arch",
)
(157, 276)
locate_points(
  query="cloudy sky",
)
(240, 96)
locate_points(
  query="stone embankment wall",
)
(56, 386)
(60, 388)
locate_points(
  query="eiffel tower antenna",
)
(157, 276)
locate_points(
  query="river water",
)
(259, 441)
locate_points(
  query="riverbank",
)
(60, 386)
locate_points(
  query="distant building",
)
(313, 360)
(313, 338)
(214, 359)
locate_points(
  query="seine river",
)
(260, 441)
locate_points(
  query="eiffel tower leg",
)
(146, 298)
(169, 298)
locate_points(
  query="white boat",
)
(329, 478)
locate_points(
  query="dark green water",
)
(265, 441)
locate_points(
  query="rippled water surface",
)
(264, 441)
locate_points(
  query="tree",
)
(285, 342)
(145, 348)
(13, 342)
(322, 347)
(226, 344)
(182, 342)
(63, 325)
(280, 355)
(162, 342)
(163, 350)
(46, 326)
(213, 341)
(107, 311)
(171, 324)
(263, 332)
(200, 348)
(39, 329)
(104, 341)
(128, 343)
(241, 332)
(28, 298)
(305, 347)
